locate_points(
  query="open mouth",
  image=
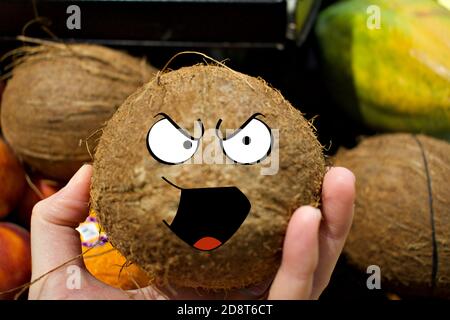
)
(207, 217)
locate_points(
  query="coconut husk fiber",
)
(132, 200)
(59, 95)
(402, 213)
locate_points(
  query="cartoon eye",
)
(170, 144)
(249, 144)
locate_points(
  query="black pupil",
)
(187, 144)
(246, 140)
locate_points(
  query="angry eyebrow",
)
(182, 130)
(253, 116)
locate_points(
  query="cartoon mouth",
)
(208, 217)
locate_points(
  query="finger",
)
(294, 279)
(338, 196)
(54, 239)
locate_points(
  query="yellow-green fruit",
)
(395, 75)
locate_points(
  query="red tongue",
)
(207, 243)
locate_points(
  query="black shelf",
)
(169, 23)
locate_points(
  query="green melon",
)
(397, 77)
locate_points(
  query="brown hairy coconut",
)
(132, 199)
(59, 95)
(402, 213)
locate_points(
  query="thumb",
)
(54, 239)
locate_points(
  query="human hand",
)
(313, 243)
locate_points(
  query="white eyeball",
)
(249, 144)
(169, 144)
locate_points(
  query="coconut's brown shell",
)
(60, 95)
(392, 226)
(132, 200)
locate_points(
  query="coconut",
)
(134, 194)
(402, 213)
(59, 95)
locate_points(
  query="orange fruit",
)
(105, 262)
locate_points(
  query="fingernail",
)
(311, 212)
(79, 175)
(353, 177)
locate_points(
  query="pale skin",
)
(313, 243)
